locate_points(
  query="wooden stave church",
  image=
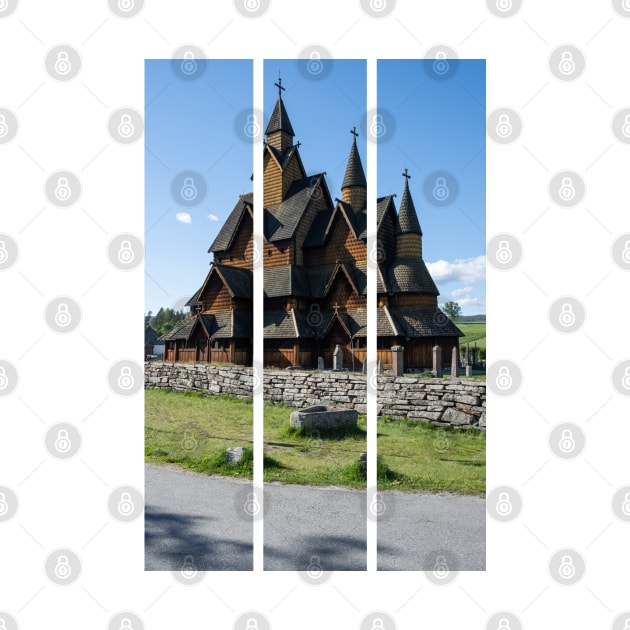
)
(315, 258)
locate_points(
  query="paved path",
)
(189, 514)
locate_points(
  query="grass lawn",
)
(473, 332)
(193, 431)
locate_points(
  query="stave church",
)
(315, 258)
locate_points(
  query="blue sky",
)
(440, 126)
(323, 108)
(190, 126)
(193, 123)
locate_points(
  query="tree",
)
(453, 310)
(165, 319)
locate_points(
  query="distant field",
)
(474, 332)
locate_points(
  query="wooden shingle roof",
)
(424, 322)
(407, 216)
(226, 234)
(355, 175)
(279, 120)
(410, 275)
(282, 219)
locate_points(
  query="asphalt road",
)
(193, 515)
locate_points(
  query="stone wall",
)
(213, 380)
(442, 402)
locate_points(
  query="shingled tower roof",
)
(355, 175)
(354, 187)
(279, 120)
(408, 222)
(279, 129)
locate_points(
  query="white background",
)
(63, 252)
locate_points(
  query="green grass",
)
(194, 431)
(314, 458)
(431, 459)
(473, 332)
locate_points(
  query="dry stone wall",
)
(441, 402)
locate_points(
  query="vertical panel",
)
(430, 128)
(315, 328)
(199, 256)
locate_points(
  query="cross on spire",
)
(406, 176)
(279, 86)
(354, 132)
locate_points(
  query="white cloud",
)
(213, 217)
(464, 270)
(459, 292)
(471, 301)
(183, 217)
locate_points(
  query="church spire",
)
(279, 130)
(408, 232)
(407, 216)
(354, 186)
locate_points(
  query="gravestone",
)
(364, 367)
(437, 361)
(397, 360)
(323, 417)
(337, 358)
(234, 454)
(320, 363)
(381, 366)
(363, 463)
(454, 366)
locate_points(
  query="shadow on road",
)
(170, 538)
(332, 553)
